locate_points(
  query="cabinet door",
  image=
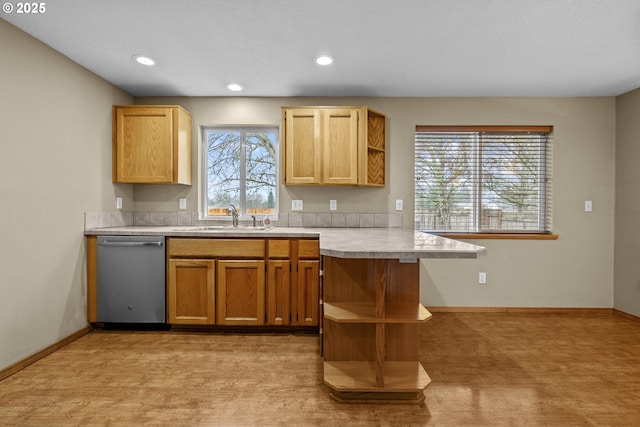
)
(340, 146)
(279, 292)
(143, 144)
(190, 292)
(240, 293)
(303, 146)
(308, 299)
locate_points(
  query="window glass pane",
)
(511, 182)
(241, 169)
(444, 182)
(476, 181)
(223, 171)
(261, 173)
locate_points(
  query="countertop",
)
(387, 243)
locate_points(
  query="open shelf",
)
(361, 376)
(376, 148)
(366, 313)
(375, 166)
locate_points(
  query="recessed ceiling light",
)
(325, 60)
(144, 60)
(234, 87)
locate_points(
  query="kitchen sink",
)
(224, 228)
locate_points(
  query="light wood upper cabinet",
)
(334, 146)
(340, 147)
(302, 146)
(151, 145)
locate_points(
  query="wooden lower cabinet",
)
(240, 292)
(190, 292)
(308, 305)
(243, 282)
(293, 282)
(279, 292)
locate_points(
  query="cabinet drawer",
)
(218, 248)
(278, 248)
(309, 249)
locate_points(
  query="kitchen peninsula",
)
(369, 300)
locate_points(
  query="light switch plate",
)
(183, 203)
(399, 205)
(118, 202)
(588, 206)
(296, 205)
(333, 205)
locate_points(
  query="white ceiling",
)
(383, 48)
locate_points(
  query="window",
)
(240, 169)
(483, 179)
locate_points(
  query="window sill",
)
(504, 236)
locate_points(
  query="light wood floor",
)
(487, 369)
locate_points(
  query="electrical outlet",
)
(333, 205)
(399, 205)
(482, 278)
(183, 204)
(118, 202)
(296, 205)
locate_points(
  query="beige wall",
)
(627, 237)
(574, 271)
(55, 134)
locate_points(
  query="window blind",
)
(488, 179)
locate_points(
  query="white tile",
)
(366, 220)
(338, 220)
(295, 220)
(352, 220)
(91, 220)
(309, 220)
(324, 220)
(141, 218)
(380, 220)
(170, 218)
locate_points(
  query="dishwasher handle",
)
(128, 244)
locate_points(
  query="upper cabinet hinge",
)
(321, 272)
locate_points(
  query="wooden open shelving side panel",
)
(376, 148)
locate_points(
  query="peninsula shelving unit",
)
(370, 337)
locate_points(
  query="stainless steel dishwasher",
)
(131, 279)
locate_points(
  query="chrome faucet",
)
(234, 215)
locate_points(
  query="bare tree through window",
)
(241, 169)
(474, 180)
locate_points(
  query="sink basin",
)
(224, 228)
(209, 227)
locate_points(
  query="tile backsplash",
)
(94, 220)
